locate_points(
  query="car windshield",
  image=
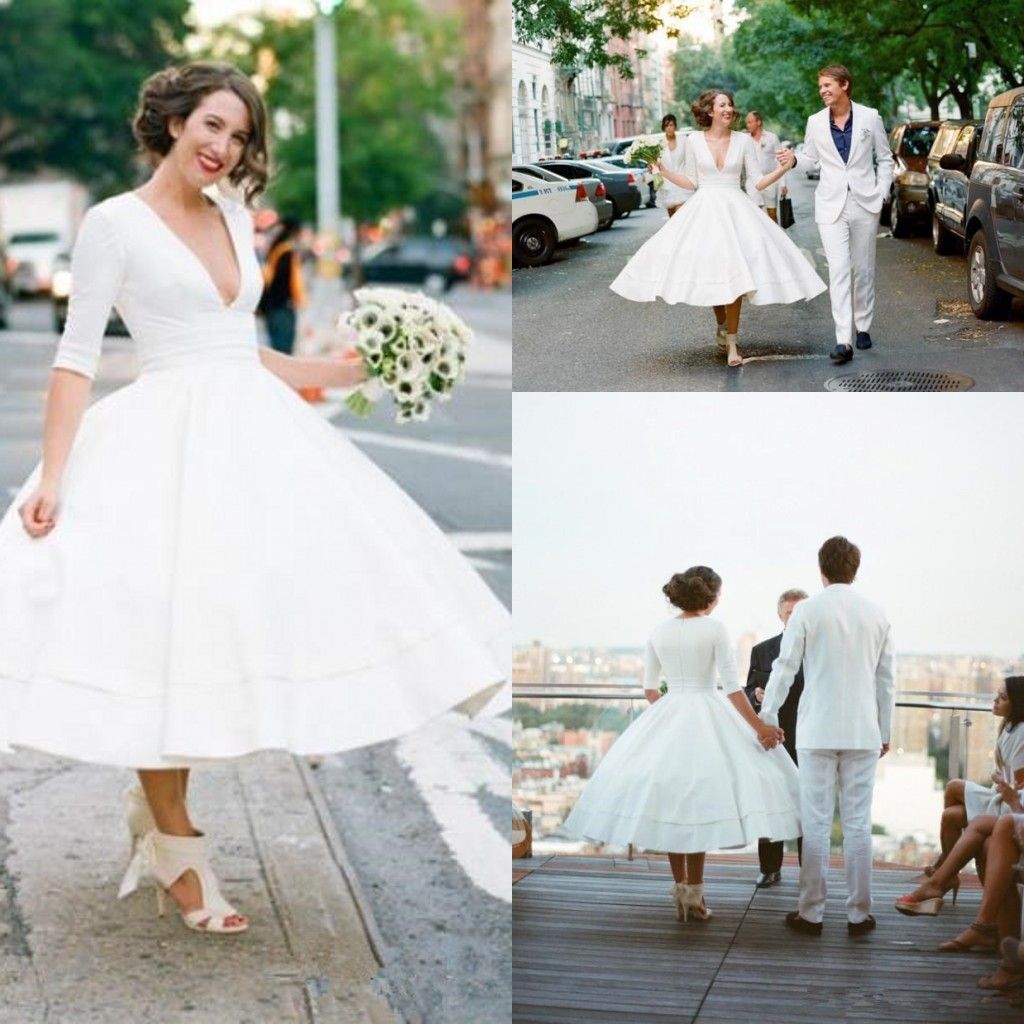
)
(25, 237)
(917, 141)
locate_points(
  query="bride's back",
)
(687, 649)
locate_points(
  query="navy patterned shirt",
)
(842, 137)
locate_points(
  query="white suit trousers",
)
(820, 770)
(849, 245)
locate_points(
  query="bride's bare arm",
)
(66, 401)
(677, 179)
(315, 371)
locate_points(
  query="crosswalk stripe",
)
(448, 766)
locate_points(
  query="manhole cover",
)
(901, 380)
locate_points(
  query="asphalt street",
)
(402, 809)
(574, 334)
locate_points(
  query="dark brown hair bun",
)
(693, 590)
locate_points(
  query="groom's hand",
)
(885, 750)
(786, 158)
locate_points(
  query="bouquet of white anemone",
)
(646, 149)
(413, 348)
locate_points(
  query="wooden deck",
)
(595, 940)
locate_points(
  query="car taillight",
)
(600, 190)
(461, 264)
(631, 179)
(581, 194)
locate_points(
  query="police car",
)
(545, 213)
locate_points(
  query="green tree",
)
(580, 30)
(395, 70)
(697, 67)
(69, 78)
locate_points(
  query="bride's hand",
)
(39, 511)
(353, 368)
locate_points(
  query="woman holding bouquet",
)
(720, 247)
(673, 154)
(201, 566)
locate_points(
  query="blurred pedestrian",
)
(284, 293)
(766, 143)
(673, 153)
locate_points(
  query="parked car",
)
(907, 204)
(596, 192)
(60, 292)
(646, 176)
(6, 291)
(616, 146)
(546, 213)
(949, 171)
(621, 185)
(994, 230)
(434, 263)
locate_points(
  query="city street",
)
(376, 879)
(574, 334)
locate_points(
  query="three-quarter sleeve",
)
(690, 162)
(97, 270)
(725, 661)
(652, 668)
(752, 169)
(1012, 743)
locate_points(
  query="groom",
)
(846, 141)
(845, 644)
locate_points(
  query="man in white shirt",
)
(845, 141)
(844, 642)
(766, 144)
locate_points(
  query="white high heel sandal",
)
(166, 858)
(139, 817)
(720, 334)
(690, 901)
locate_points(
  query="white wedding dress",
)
(227, 572)
(689, 775)
(721, 244)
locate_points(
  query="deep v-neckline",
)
(711, 152)
(195, 256)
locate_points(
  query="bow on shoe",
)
(139, 867)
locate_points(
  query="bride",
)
(720, 247)
(690, 775)
(201, 566)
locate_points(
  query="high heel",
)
(166, 859)
(680, 893)
(735, 359)
(138, 816)
(695, 903)
(720, 341)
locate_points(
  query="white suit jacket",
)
(845, 644)
(858, 175)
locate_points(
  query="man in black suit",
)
(761, 657)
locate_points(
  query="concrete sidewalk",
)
(71, 953)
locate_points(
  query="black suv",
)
(949, 172)
(995, 210)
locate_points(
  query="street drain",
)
(901, 380)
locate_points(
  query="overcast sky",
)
(615, 492)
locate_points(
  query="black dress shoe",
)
(841, 354)
(767, 879)
(863, 339)
(861, 927)
(798, 924)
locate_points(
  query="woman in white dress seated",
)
(719, 247)
(698, 770)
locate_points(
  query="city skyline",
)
(615, 492)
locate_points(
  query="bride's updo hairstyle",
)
(177, 91)
(704, 104)
(693, 590)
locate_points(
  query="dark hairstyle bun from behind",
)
(693, 590)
